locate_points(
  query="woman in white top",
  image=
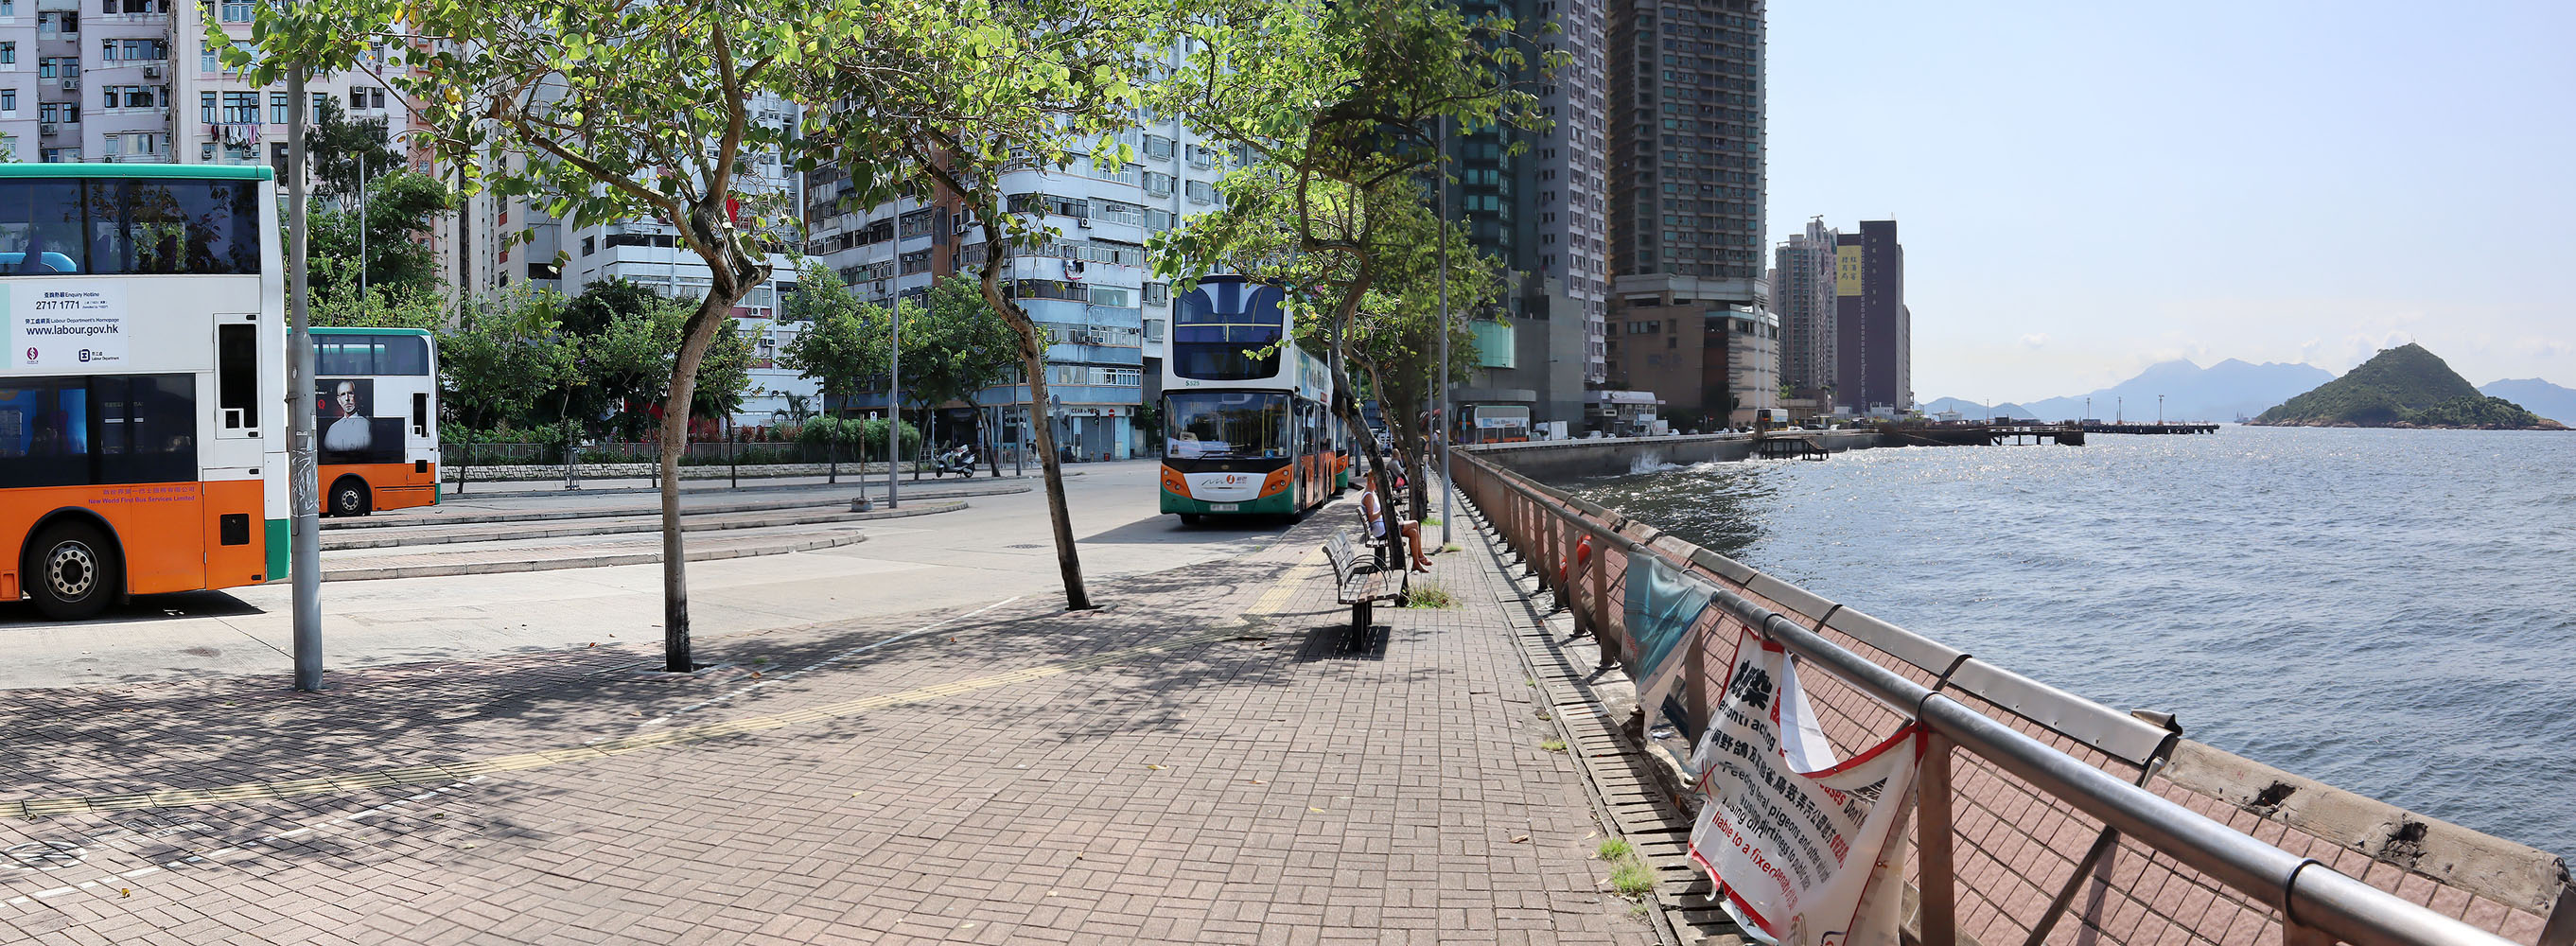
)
(1376, 515)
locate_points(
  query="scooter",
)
(960, 461)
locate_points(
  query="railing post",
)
(1565, 539)
(1602, 628)
(1933, 846)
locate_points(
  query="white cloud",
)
(2035, 340)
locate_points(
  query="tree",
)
(955, 348)
(346, 153)
(1339, 102)
(399, 208)
(619, 111)
(499, 364)
(942, 99)
(843, 343)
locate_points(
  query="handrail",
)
(2315, 901)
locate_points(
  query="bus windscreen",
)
(1227, 425)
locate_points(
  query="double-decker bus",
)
(143, 393)
(1248, 428)
(375, 418)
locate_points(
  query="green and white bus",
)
(1245, 434)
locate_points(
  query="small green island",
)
(2405, 387)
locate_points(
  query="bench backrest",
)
(1338, 550)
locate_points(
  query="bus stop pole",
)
(303, 492)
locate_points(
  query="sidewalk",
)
(1193, 762)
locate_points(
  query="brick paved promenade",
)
(1192, 763)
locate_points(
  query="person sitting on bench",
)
(1371, 509)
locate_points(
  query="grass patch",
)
(1614, 849)
(1632, 879)
(1552, 745)
(1427, 593)
(1451, 547)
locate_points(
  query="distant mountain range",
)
(2538, 396)
(2405, 386)
(2220, 392)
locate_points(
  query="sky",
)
(2085, 189)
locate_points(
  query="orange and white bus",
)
(375, 417)
(143, 395)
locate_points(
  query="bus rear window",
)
(114, 226)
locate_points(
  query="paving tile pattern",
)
(1263, 787)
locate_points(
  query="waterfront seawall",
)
(1571, 459)
(2028, 865)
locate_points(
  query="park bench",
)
(1362, 582)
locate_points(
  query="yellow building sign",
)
(1847, 270)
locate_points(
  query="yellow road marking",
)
(1275, 599)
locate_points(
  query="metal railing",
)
(2050, 757)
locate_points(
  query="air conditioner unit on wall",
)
(1084, 223)
(152, 72)
(71, 83)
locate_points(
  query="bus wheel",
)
(349, 497)
(1189, 518)
(71, 571)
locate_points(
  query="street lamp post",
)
(1440, 428)
(303, 490)
(2160, 409)
(894, 401)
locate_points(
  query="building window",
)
(277, 108)
(8, 54)
(206, 110)
(1201, 192)
(589, 245)
(238, 11)
(9, 101)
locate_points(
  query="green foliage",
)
(956, 345)
(496, 368)
(389, 307)
(1632, 878)
(1614, 849)
(399, 207)
(347, 153)
(844, 343)
(1427, 593)
(856, 438)
(2403, 385)
(2476, 411)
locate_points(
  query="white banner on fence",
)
(1802, 845)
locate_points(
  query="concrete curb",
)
(645, 522)
(551, 515)
(586, 561)
(693, 485)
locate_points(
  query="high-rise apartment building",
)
(133, 81)
(1686, 157)
(1091, 286)
(1543, 212)
(1802, 292)
(1874, 331)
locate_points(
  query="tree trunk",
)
(699, 333)
(1033, 362)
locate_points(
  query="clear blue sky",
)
(2085, 189)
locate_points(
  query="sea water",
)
(2387, 611)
